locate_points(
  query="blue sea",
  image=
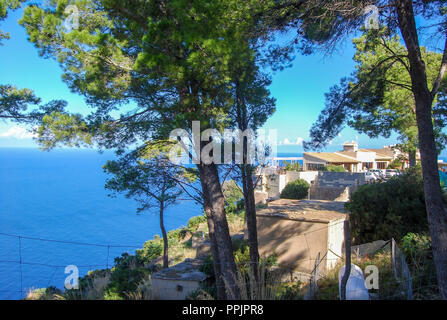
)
(60, 195)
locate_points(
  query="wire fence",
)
(406, 285)
(321, 265)
(53, 268)
(401, 270)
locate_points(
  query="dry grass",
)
(267, 288)
(183, 250)
(143, 291)
(43, 294)
(94, 290)
(179, 253)
(389, 288)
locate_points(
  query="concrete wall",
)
(336, 242)
(284, 237)
(273, 186)
(282, 182)
(309, 176)
(163, 289)
(292, 176)
(364, 156)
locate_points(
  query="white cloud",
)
(298, 142)
(18, 133)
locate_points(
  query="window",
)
(314, 166)
(367, 165)
(381, 165)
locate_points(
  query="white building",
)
(351, 158)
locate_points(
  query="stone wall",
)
(329, 193)
(336, 186)
(261, 197)
(340, 179)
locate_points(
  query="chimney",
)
(350, 146)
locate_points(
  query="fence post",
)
(409, 286)
(21, 268)
(393, 257)
(344, 280)
(317, 270)
(405, 275)
(108, 253)
(313, 282)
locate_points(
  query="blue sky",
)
(299, 90)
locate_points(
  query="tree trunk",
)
(220, 285)
(250, 217)
(247, 185)
(223, 250)
(165, 238)
(412, 158)
(436, 213)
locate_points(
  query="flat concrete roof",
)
(187, 270)
(321, 211)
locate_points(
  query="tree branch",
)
(441, 74)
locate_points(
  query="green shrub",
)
(391, 209)
(240, 205)
(333, 168)
(207, 266)
(232, 192)
(194, 222)
(413, 244)
(152, 249)
(175, 236)
(293, 166)
(125, 276)
(205, 291)
(295, 190)
(419, 256)
(291, 291)
(396, 164)
(233, 196)
(112, 294)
